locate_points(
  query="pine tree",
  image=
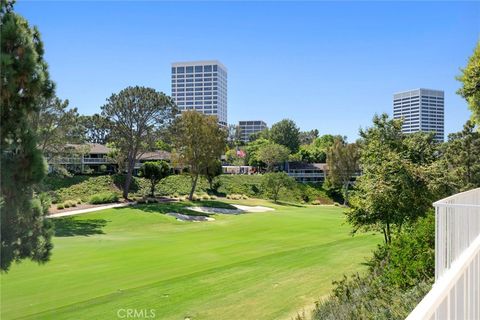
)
(25, 233)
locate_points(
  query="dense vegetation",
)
(84, 187)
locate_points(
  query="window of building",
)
(189, 69)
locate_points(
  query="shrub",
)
(205, 197)
(60, 206)
(45, 201)
(79, 201)
(104, 197)
(316, 202)
(66, 204)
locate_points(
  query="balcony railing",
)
(79, 160)
(456, 291)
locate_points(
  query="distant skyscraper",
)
(247, 128)
(201, 86)
(422, 110)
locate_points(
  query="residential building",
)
(247, 128)
(201, 86)
(307, 172)
(94, 157)
(421, 110)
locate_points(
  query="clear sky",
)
(326, 65)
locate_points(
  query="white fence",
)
(456, 292)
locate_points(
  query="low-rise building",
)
(94, 157)
(307, 172)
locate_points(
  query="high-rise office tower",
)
(201, 86)
(421, 110)
(247, 128)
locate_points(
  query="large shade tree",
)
(272, 154)
(25, 83)
(136, 115)
(470, 79)
(198, 143)
(392, 190)
(286, 133)
(343, 163)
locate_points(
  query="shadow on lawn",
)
(168, 207)
(69, 227)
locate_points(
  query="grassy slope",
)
(252, 266)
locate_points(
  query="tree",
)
(55, 127)
(25, 83)
(307, 137)
(96, 128)
(154, 171)
(462, 153)
(252, 152)
(198, 142)
(470, 79)
(287, 134)
(342, 160)
(392, 190)
(234, 135)
(213, 170)
(274, 182)
(272, 154)
(235, 157)
(136, 114)
(264, 134)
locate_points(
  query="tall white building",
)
(421, 110)
(247, 128)
(201, 86)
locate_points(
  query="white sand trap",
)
(186, 217)
(240, 209)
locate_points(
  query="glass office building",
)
(247, 128)
(201, 86)
(421, 110)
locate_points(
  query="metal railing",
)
(456, 291)
(80, 160)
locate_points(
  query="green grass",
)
(253, 266)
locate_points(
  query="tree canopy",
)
(154, 171)
(25, 83)
(470, 79)
(198, 142)
(136, 115)
(286, 133)
(272, 154)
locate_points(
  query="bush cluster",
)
(399, 276)
(104, 197)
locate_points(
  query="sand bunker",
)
(239, 209)
(186, 217)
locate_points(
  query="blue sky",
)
(326, 65)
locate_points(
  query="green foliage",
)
(45, 200)
(272, 154)
(273, 183)
(392, 190)
(252, 152)
(470, 79)
(154, 171)
(104, 197)
(400, 274)
(213, 170)
(25, 83)
(286, 133)
(198, 142)
(343, 163)
(96, 128)
(462, 157)
(136, 115)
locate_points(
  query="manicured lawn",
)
(253, 266)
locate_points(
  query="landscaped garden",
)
(267, 265)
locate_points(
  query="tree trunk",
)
(128, 178)
(345, 193)
(389, 237)
(152, 188)
(194, 185)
